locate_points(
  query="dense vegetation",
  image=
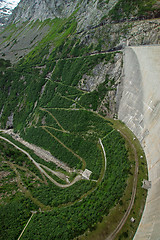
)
(14, 206)
(31, 83)
(66, 223)
(107, 192)
(49, 113)
(14, 216)
(59, 123)
(4, 64)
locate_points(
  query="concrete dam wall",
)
(139, 109)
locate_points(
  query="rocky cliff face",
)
(6, 8)
(87, 12)
(33, 9)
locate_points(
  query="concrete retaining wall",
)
(139, 109)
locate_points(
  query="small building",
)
(86, 174)
(146, 184)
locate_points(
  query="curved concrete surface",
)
(139, 109)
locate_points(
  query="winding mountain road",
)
(77, 178)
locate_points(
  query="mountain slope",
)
(38, 43)
(66, 66)
(88, 12)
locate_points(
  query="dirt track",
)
(45, 155)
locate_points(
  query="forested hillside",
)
(64, 164)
